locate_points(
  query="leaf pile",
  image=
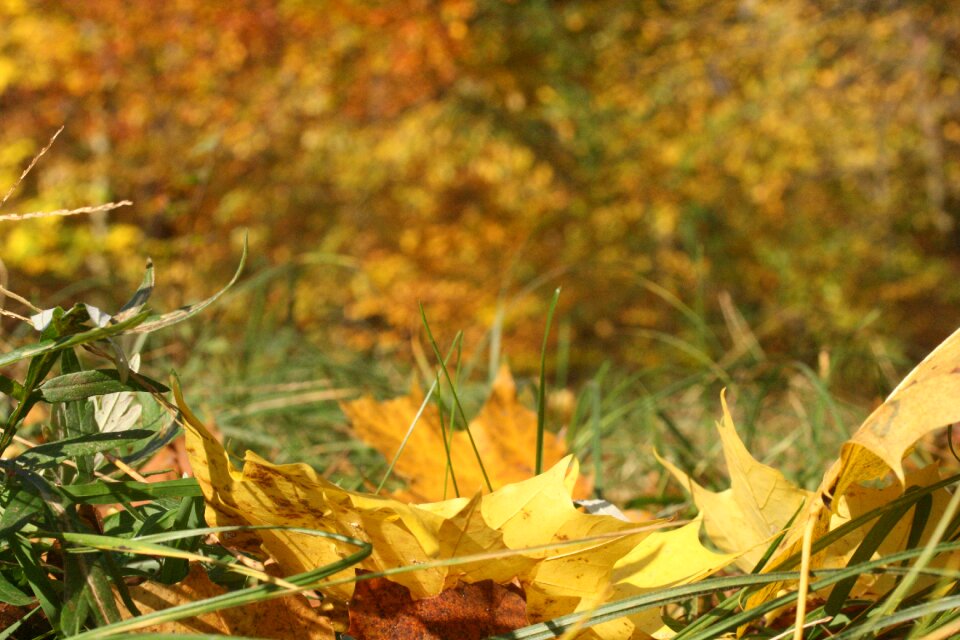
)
(527, 538)
(527, 533)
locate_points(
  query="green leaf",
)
(94, 595)
(96, 382)
(37, 577)
(159, 441)
(84, 337)
(10, 387)
(140, 296)
(84, 445)
(113, 492)
(189, 515)
(190, 310)
(75, 608)
(20, 505)
(10, 594)
(76, 421)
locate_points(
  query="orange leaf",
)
(505, 433)
(383, 609)
(290, 617)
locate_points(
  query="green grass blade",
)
(20, 506)
(628, 606)
(456, 398)
(240, 597)
(75, 608)
(447, 433)
(596, 446)
(53, 453)
(37, 577)
(103, 492)
(695, 319)
(12, 629)
(886, 621)
(871, 542)
(903, 587)
(541, 392)
(11, 594)
(825, 578)
(909, 498)
(406, 436)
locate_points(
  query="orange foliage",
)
(505, 434)
(474, 155)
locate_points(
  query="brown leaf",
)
(383, 609)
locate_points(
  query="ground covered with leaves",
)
(487, 528)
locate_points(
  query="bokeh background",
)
(707, 181)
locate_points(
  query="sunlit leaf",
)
(505, 433)
(744, 519)
(919, 404)
(514, 521)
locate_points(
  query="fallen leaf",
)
(540, 511)
(381, 609)
(922, 402)
(745, 518)
(287, 618)
(505, 433)
(513, 522)
(295, 495)
(760, 501)
(664, 559)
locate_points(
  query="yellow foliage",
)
(744, 519)
(574, 574)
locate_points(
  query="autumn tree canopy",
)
(796, 159)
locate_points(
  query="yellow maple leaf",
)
(922, 402)
(514, 522)
(761, 501)
(745, 518)
(505, 433)
(295, 495)
(653, 565)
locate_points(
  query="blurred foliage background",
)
(706, 180)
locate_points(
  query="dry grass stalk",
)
(65, 212)
(29, 168)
